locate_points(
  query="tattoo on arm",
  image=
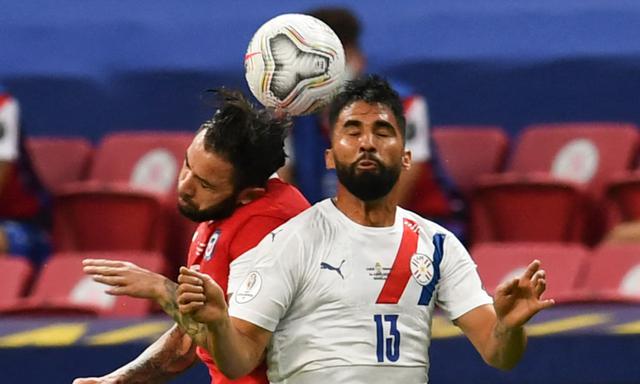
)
(171, 354)
(170, 306)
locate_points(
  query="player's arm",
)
(497, 331)
(128, 279)
(172, 353)
(236, 346)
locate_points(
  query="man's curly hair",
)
(251, 139)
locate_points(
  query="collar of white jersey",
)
(332, 211)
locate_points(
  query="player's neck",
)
(377, 213)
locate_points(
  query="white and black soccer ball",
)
(294, 63)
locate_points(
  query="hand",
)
(516, 301)
(125, 278)
(200, 297)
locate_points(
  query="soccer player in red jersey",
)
(227, 184)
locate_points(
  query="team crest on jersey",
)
(421, 268)
(211, 245)
(249, 288)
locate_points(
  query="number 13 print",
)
(388, 341)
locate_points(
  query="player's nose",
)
(186, 185)
(367, 142)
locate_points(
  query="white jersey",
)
(350, 303)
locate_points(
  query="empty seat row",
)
(575, 273)
(119, 196)
(561, 182)
(61, 287)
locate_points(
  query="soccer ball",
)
(294, 63)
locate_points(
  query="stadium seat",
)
(623, 198)
(465, 152)
(614, 273)
(59, 160)
(586, 153)
(15, 277)
(107, 218)
(578, 156)
(532, 207)
(145, 160)
(129, 171)
(63, 289)
(564, 264)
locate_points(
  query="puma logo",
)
(274, 233)
(332, 268)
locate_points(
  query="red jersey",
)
(216, 244)
(21, 195)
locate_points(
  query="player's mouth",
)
(367, 164)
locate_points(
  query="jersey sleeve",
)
(241, 248)
(9, 125)
(460, 289)
(272, 282)
(417, 116)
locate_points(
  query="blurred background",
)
(533, 115)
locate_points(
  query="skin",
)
(205, 181)
(496, 331)
(357, 61)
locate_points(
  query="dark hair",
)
(343, 22)
(251, 139)
(370, 89)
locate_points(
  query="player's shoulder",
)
(281, 191)
(431, 229)
(426, 225)
(281, 201)
(310, 225)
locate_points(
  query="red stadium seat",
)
(614, 273)
(467, 152)
(59, 160)
(532, 207)
(15, 276)
(623, 198)
(63, 289)
(586, 153)
(107, 219)
(564, 264)
(574, 155)
(129, 170)
(145, 160)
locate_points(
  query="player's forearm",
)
(168, 300)
(172, 353)
(234, 353)
(505, 347)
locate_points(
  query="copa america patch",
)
(211, 245)
(421, 268)
(249, 288)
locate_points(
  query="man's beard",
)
(368, 185)
(220, 211)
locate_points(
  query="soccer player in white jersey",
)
(345, 291)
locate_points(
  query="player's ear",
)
(328, 159)
(247, 195)
(406, 160)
